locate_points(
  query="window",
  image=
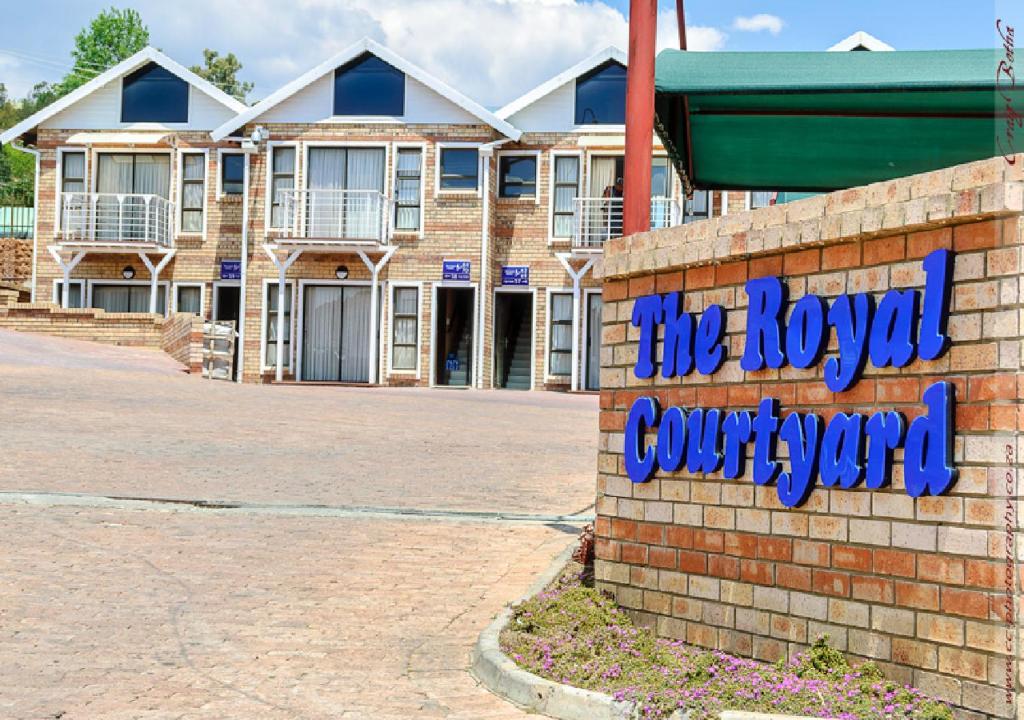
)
(697, 207)
(72, 169)
(601, 96)
(193, 192)
(405, 334)
(189, 299)
(459, 168)
(560, 335)
(517, 176)
(270, 326)
(128, 298)
(566, 190)
(408, 186)
(282, 179)
(369, 86)
(74, 297)
(154, 94)
(232, 174)
(761, 199)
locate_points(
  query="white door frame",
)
(587, 293)
(299, 330)
(510, 290)
(433, 328)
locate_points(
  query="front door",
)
(133, 175)
(453, 336)
(592, 381)
(513, 340)
(226, 304)
(336, 333)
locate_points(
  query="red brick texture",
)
(916, 585)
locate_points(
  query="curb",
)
(499, 674)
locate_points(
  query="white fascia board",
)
(546, 88)
(861, 38)
(348, 54)
(146, 55)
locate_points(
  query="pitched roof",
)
(861, 39)
(350, 53)
(546, 88)
(142, 57)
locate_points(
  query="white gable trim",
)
(861, 38)
(581, 68)
(350, 53)
(144, 56)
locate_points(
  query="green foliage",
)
(223, 72)
(112, 36)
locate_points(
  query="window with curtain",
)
(282, 179)
(72, 170)
(369, 86)
(408, 185)
(560, 334)
(405, 333)
(74, 296)
(761, 199)
(193, 192)
(232, 173)
(697, 207)
(119, 174)
(566, 190)
(601, 95)
(330, 213)
(459, 168)
(270, 327)
(189, 299)
(128, 298)
(154, 94)
(517, 176)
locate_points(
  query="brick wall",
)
(16, 260)
(915, 584)
(182, 339)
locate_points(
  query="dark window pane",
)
(153, 94)
(459, 168)
(369, 86)
(518, 176)
(601, 96)
(232, 176)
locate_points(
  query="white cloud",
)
(758, 23)
(492, 50)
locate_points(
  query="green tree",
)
(112, 36)
(223, 72)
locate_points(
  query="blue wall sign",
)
(455, 270)
(847, 450)
(230, 269)
(515, 275)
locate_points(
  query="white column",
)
(374, 269)
(66, 268)
(154, 275)
(576, 276)
(282, 269)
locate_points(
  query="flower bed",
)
(574, 635)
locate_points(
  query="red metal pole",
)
(643, 30)
(681, 20)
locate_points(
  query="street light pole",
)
(643, 30)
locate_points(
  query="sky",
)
(491, 50)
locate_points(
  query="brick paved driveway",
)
(174, 611)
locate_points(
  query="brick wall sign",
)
(809, 423)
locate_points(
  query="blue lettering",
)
(737, 429)
(671, 440)
(803, 435)
(885, 433)
(933, 341)
(646, 316)
(710, 351)
(928, 454)
(893, 329)
(766, 426)
(677, 356)
(703, 439)
(640, 460)
(767, 297)
(805, 336)
(852, 321)
(842, 451)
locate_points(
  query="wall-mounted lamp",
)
(128, 273)
(342, 272)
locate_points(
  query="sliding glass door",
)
(346, 188)
(128, 298)
(120, 174)
(336, 333)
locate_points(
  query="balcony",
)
(116, 219)
(596, 220)
(330, 217)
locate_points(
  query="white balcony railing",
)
(117, 218)
(357, 216)
(599, 219)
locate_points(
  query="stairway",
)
(517, 368)
(461, 376)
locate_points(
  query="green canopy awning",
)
(821, 121)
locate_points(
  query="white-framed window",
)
(565, 188)
(457, 170)
(127, 296)
(270, 329)
(192, 168)
(518, 174)
(76, 298)
(409, 189)
(560, 334)
(72, 178)
(760, 199)
(281, 180)
(697, 207)
(231, 167)
(188, 297)
(405, 328)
